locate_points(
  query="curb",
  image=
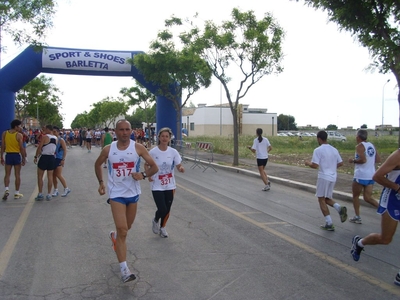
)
(291, 183)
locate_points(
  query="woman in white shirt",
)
(163, 182)
(261, 147)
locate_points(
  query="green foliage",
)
(331, 127)
(105, 112)
(39, 98)
(35, 13)
(80, 121)
(364, 126)
(286, 122)
(244, 44)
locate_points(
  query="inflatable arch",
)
(30, 63)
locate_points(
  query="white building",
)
(218, 120)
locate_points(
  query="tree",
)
(242, 47)
(106, 112)
(80, 120)
(331, 127)
(39, 98)
(375, 24)
(286, 122)
(364, 126)
(141, 97)
(173, 71)
(36, 14)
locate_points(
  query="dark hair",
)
(56, 128)
(106, 129)
(362, 134)
(15, 123)
(322, 135)
(259, 132)
(49, 127)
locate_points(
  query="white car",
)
(282, 134)
(336, 136)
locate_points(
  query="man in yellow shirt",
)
(12, 146)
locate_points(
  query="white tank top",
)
(121, 165)
(366, 170)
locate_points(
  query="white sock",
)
(55, 190)
(123, 266)
(328, 219)
(337, 207)
(359, 243)
(7, 188)
(16, 192)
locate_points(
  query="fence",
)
(204, 156)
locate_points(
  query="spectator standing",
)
(45, 153)
(12, 146)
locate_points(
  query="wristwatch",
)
(144, 175)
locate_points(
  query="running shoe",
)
(18, 196)
(343, 214)
(267, 188)
(397, 279)
(355, 249)
(113, 239)
(48, 197)
(355, 219)
(127, 276)
(39, 197)
(105, 166)
(163, 232)
(6, 194)
(55, 194)
(156, 227)
(328, 227)
(66, 192)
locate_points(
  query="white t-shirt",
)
(261, 148)
(166, 161)
(327, 158)
(121, 165)
(366, 170)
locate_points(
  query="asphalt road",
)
(228, 240)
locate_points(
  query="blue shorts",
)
(389, 202)
(364, 182)
(125, 201)
(13, 159)
(58, 162)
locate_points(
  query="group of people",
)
(123, 158)
(327, 159)
(50, 157)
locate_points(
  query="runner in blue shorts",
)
(388, 175)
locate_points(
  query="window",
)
(191, 126)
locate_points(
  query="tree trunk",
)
(235, 139)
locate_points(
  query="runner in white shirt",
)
(261, 147)
(123, 186)
(163, 182)
(364, 169)
(327, 159)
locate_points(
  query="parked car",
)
(281, 134)
(336, 136)
(289, 134)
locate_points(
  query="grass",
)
(293, 151)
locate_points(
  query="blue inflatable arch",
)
(30, 63)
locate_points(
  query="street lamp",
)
(383, 100)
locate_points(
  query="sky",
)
(324, 79)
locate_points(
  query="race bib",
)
(122, 170)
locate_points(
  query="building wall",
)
(213, 121)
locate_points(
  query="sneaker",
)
(127, 276)
(105, 166)
(18, 196)
(355, 219)
(343, 214)
(163, 232)
(269, 183)
(5, 196)
(113, 240)
(355, 249)
(39, 197)
(48, 197)
(397, 279)
(66, 192)
(328, 227)
(55, 194)
(156, 227)
(267, 188)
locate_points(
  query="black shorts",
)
(262, 162)
(47, 162)
(89, 140)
